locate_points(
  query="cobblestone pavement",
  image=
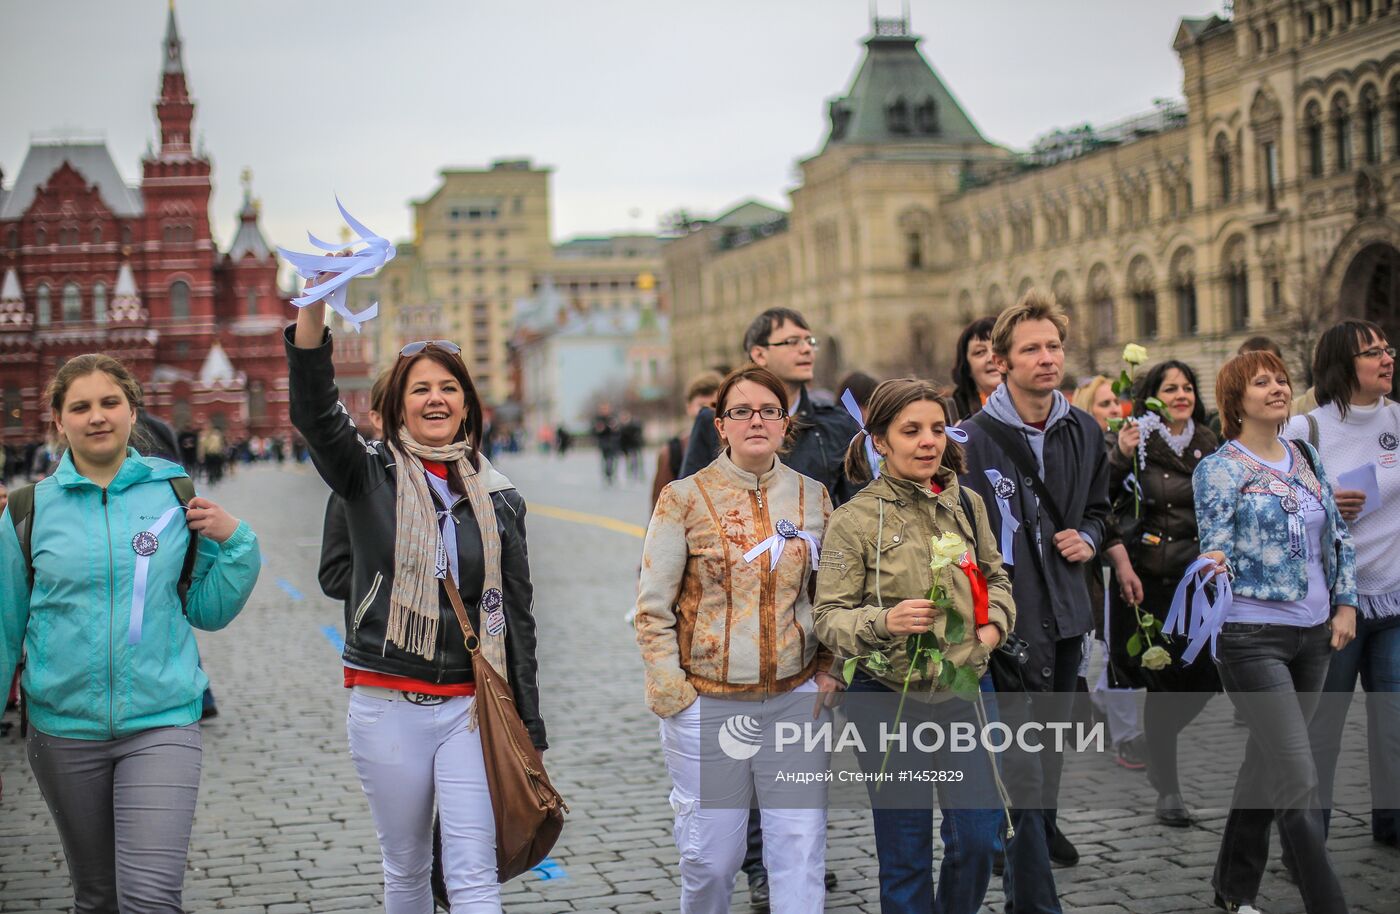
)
(283, 827)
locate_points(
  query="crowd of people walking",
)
(1072, 524)
(953, 552)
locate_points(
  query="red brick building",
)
(90, 264)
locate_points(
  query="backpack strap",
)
(184, 491)
(21, 510)
(966, 501)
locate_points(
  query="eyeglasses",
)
(446, 346)
(796, 341)
(1376, 352)
(744, 413)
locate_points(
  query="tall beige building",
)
(1266, 203)
(481, 237)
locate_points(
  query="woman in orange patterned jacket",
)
(724, 620)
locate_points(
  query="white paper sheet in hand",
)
(375, 254)
(1363, 479)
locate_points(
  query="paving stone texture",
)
(282, 825)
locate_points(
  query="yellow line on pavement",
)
(595, 520)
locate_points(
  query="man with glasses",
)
(780, 340)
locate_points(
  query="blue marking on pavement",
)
(292, 592)
(333, 636)
(550, 870)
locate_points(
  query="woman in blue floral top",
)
(1268, 518)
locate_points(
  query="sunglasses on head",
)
(447, 346)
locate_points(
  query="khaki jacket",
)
(894, 519)
(708, 622)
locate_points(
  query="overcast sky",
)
(639, 106)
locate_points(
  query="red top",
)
(935, 487)
(1040, 425)
(354, 677)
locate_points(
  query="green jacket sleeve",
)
(224, 575)
(845, 623)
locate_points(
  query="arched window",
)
(926, 116)
(257, 400)
(1312, 133)
(897, 115)
(1143, 283)
(43, 307)
(1188, 319)
(252, 299)
(99, 303)
(1222, 169)
(12, 238)
(1371, 125)
(72, 303)
(1341, 132)
(97, 234)
(41, 236)
(1100, 295)
(179, 299)
(1237, 285)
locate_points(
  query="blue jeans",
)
(1374, 657)
(972, 813)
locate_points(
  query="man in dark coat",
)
(1029, 427)
(780, 340)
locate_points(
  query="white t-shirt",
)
(1370, 434)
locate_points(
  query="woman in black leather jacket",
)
(1159, 531)
(424, 511)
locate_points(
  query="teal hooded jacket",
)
(82, 678)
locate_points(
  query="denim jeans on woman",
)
(1374, 657)
(972, 812)
(1274, 674)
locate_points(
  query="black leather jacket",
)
(821, 433)
(364, 476)
(1166, 541)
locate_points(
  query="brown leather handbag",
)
(529, 812)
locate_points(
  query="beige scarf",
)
(420, 562)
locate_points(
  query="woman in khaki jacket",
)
(725, 626)
(877, 570)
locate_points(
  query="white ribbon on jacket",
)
(1206, 616)
(787, 530)
(377, 252)
(1004, 488)
(145, 545)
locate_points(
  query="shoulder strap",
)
(1020, 454)
(21, 508)
(1312, 429)
(965, 499)
(184, 491)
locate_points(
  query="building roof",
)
(748, 213)
(9, 289)
(897, 97)
(217, 366)
(91, 160)
(248, 239)
(174, 62)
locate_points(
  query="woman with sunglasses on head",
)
(1356, 424)
(724, 621)
(1268, 519)
(425, 511)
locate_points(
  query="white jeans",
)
(712, 820)
(405, 754)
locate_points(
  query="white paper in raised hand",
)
(377, 252)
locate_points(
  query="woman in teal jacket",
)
(112, 680)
